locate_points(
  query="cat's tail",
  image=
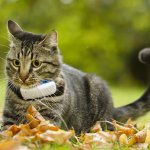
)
(142, 105)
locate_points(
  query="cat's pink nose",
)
(24, 77)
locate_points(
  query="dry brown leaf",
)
(44, 138)
(9, 145)
(123, 139)
(44, 128)
(129, 123)
(6, 134)
(139, 137)
(91, 138)
(34, 123)
(60, 137)
(99, 141)
(38, 129)
(32, 111)
(14, 128)
(109, 136)
(25, 130)
(124, 130)
(148, 137)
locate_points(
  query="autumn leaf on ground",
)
(41, 131)
(9, 145)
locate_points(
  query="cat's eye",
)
(36, 63)
(16, 62)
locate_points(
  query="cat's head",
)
(31, 57)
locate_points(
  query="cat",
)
(80, 100)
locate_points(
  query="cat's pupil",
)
(36, 62)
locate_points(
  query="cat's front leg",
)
(8, 119)
(11, 117)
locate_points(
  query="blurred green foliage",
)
(101, 36)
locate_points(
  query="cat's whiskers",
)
(2, 73)
(4, 45)
(2, 79)
(2, 58)
(5, 53)
(11, 87)
(4, 37)
(5, 77)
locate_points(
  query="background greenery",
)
(100, 36)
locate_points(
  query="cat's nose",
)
(23, 77)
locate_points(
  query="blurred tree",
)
(101, 36)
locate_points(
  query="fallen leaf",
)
(59, 137)
(9, 145)
(6, 134)
(41, 131)
(124, 130)
(123, 139)
(44, 128)
(139, 137)
(32, 111)
(14, 128)
(148, 137)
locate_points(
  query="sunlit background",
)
(97, 36)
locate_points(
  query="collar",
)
(16, 90)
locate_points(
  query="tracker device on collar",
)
(45, 88)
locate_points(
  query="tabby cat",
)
(80, 100)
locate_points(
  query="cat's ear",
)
(14, 28)
(14, 31)
(50, 39)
